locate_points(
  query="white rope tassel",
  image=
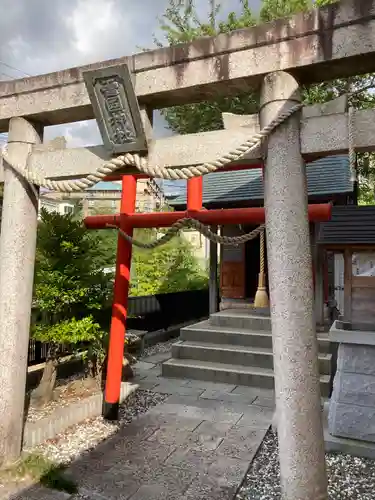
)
(142, 165)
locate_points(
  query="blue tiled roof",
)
(105, 186)
(330, 175)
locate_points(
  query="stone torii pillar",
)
(17, 257)
(295, 349)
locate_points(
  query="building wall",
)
(199, 246)
(232, 267)
(239, 268)
(149, 198)
(55, 205)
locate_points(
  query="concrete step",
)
(238, 318)
(206, 332)
(247, 356)
(226, 373)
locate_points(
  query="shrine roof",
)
(325, 177)
(350, 225)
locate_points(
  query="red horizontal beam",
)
(316, 212)
(228, 168)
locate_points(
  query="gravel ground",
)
(34, 414)
(63, 396)
(158, 348)
(83, 437)
(348, 477)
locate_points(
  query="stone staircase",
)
(234, 347)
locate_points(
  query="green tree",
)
(180, 23)
(70, 288)
(169, 268)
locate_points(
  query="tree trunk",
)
(127, 371)
(44, 392)
(95, 369)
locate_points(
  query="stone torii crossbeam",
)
(335, 41)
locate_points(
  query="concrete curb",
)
(61, 419)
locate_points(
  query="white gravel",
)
(160, 348)
(85, 436)
(348, 477)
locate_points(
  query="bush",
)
(167, 269)
(69, 288)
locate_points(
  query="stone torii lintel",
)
(323, 132)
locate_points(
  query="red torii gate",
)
(127, 220)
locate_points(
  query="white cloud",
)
(93, 33)
(40, 36)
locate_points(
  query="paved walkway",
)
(197, 444)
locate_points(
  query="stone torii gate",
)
(335, 41)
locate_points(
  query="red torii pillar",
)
(120, 303)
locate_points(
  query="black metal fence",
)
(149, 313)
(165, 310)
(37, 352)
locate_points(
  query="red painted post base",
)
(110, 411)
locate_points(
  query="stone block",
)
(214, 429)
(179, 410)
(265, 401)
(254, 391)
(170, 435)
(37, 492)
(143, 366)
(206, 385)
(354, 389)
(167, 482)
(228, 397)
(207, 489)
(234, 407)
(260, 418)
(161, 420)
(356, 358)
(175, 387)
(204, 442)
(158, 358)
(241, 443)
(158, 492)
(351, 421)
(228, 471)
(191, 459)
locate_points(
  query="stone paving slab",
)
(184, 448)
(265, 401)
(234, 407)
(199, 384)
(228, 397)
(198, 444)
(212, 414)
(159, 357)
(170, 387)
(142, 366)
(259, 417)
(35, 492)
